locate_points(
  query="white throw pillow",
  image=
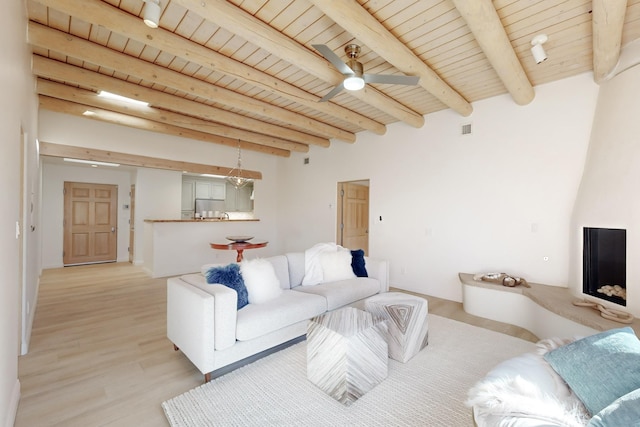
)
(261, 280)
(336, 265)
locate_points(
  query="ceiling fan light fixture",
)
(353, 83)
(152, 11)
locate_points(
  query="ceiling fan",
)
(353, 71)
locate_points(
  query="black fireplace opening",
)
(605, 264)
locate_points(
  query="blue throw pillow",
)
(358, 264)
(623, 412)
(600, 368)
(230, 276)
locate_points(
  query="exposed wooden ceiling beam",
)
(607, 21)
(236, 20)
(61, 151)
(113, 19)
(483, 21)
(58, 41)
(66, 107)
(90, 98)
(262, 133)
(356, 20)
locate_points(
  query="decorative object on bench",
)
(502, 279)
(593, 381)
(347, 353)
(408, 328)
(607, 313)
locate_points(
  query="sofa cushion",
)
(281, 268)
(229, 275)
(261, 280)
(343, 292)
(623, 412)
(336, 265)
(296, 268)
(600, 368)
(290, 307)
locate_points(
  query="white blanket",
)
(312, 264)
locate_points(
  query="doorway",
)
(90, 223)
(353, 215)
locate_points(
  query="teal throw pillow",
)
(600, 368)
(623, 412)
(229, 275)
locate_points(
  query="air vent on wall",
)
(466, 129)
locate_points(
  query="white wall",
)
(158, 196)
(608, 196)
(499, 199)
(18, 106)
(54, 176)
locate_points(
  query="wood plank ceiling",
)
(245, 71)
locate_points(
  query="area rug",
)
(428, 390)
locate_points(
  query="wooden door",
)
(353, 215)
(132, 221)
(90, 223)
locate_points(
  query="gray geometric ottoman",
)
(408, 329)
(346, 353)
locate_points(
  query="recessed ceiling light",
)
(91, 162)
(109, 95)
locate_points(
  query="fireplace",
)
(605, 264)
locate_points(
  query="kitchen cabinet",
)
(188, 194)
(210, 190)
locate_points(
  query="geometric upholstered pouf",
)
(346, 353)
(408, 328)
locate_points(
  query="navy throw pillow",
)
(358, 264)
(230, 276)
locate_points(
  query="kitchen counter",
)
(179, 246)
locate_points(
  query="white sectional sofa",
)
(205, 324)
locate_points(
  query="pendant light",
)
(234, 177)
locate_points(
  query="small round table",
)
(239, 247)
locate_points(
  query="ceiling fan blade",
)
(391, 79)
(333, 58)
(333, 93)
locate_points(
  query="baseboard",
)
(12, 409)
(26, 338)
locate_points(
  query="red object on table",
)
(239, 247)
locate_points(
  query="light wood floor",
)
(99, 355)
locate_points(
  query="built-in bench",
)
(544, 310)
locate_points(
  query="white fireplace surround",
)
(608, 193)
